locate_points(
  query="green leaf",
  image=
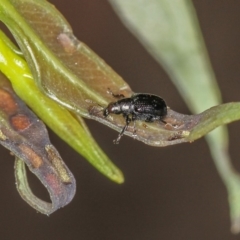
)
(60, 120)
(59, 61)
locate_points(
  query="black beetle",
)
(141, 106)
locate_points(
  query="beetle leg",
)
(134, 125)
(128, 120)
(134, 130)
(149, 119)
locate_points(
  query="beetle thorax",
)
(123, 106)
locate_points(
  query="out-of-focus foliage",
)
(170, 32)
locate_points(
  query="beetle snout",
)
(108, 110)
(105, 112)
(112, 108)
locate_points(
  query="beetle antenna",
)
(115, 95)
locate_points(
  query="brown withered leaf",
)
(26, 137)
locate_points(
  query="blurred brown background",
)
(170, 193)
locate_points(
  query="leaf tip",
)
(118, 177)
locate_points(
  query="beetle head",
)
(112, 108)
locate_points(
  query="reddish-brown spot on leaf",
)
(7, 103)
(34, 158)
(20, 122)
(53, 181)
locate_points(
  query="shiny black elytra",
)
(141, 106)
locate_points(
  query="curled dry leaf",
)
(27, 138)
